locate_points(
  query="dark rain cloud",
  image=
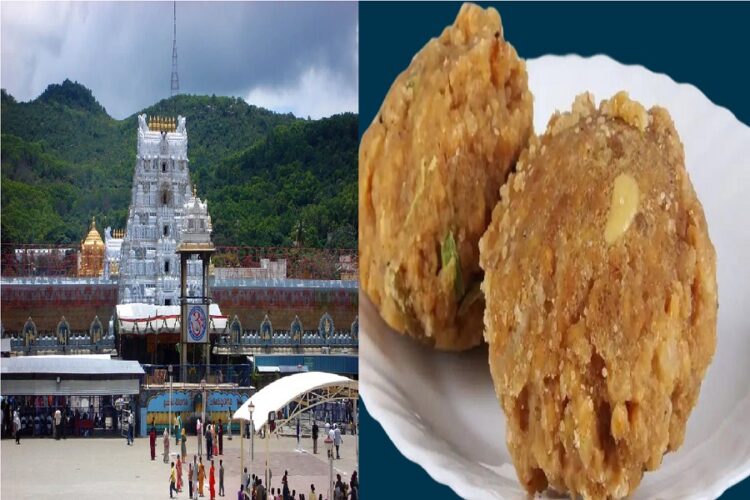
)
(298, 57)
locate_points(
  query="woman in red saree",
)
(152, 441)
(212, 481)
(179, 473)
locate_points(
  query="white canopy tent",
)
(306, 389)
(144, 318)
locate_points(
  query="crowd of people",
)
(206, 479)
(62, 422)
(333, 432)
(213, 435)
(57, 423)
(196, 478)
(252, 488)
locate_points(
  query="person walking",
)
(65, 422)
(166, 446)
(220, 432)
(58, 423)
(354, 487)
(17, 426)
(131, 427)
(209, 442)
(199, 434)
(125, 427)
(212, 481)
(195, 477)
(299, 447)
(179, 473)
(172, 479)
(201, 476)
(331, 435)
(152, 441)
(312, 492)
(315, 431)
(177, 428)
(183, 442)
(245, 478)
(261, 492)
(340, 490)
(190, 479)
(285, 494)
(214, 440)
(221, 478)
(337, 439)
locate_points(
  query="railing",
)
(301, 263)
(51, 343)
(284, 338)
(215, 374)
(39, 260)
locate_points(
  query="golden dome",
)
(93, 238)
(91, 257)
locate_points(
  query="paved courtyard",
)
(95, 468)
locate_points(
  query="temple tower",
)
(149, 264)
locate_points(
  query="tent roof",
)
(279, 393)
(138, 317)
(69, 365)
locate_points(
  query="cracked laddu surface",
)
(598, 348)
(430, 166)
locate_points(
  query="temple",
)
(271, 311)
(91, 258)
(149, 266)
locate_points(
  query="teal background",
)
(707, 45)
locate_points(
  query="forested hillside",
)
(270, 179)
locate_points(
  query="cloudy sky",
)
(298, 57)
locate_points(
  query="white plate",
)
(440, 409)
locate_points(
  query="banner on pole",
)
(197, 324)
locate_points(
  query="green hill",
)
(269, 178)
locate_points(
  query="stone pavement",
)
(95, 468)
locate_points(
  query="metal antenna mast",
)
(175, 78)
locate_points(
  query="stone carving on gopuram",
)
(149, 264)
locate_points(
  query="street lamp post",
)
(169, 423)
(271, 418)
(203, 409)
(242, 449)
(251, 409)
(329, 448)
(252, 433)
(252, 437)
